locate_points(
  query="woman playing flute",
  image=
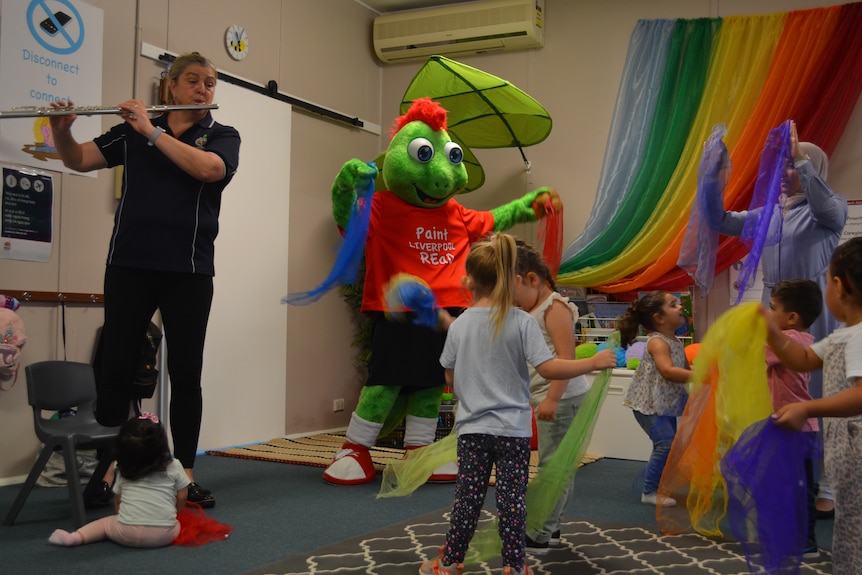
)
(161, 250)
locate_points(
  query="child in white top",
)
(151, 487)
(555, 402)
(655, 394)
(840, 356)
(485, 358)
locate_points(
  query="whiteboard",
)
(245, 357)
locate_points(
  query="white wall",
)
(244, 357)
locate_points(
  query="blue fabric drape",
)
(633, 114)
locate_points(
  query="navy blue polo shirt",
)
(166, 219)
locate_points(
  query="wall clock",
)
(236, 42)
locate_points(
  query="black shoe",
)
(200, 488)
(555, 539)
(101, 496)
(535, 547)
(201, 496)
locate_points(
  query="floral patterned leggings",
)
(477, 453)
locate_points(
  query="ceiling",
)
(382, 6)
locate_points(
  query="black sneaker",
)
(201, 496)
(535, 547)
(101, 496)
(202, 489)
(555, 539)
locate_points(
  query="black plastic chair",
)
(60, 385)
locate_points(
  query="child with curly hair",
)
(656, 394)
(151, 487)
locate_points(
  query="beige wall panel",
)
(320, 357)
(326, 56)
(191, 28)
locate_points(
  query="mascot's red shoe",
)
(446, 473)
(351, 466)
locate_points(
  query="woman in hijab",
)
(814, 218)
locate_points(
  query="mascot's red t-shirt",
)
(429, 243)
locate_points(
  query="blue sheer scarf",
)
(350, 252)
(700, 244)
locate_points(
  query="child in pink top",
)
(794, 305)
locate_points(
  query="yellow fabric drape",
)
(740, 59)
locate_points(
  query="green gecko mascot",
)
(417, 228)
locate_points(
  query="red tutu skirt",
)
(198, 528)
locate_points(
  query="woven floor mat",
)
(318, 450)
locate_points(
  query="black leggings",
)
(131, 298)
(477, 454)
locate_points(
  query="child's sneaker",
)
(653, 499)
(811, 551)
(525, 570)
(535, 547)
(555, 540)
(436, 567)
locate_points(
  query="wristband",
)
(156, 133)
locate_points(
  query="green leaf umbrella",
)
(484, 111)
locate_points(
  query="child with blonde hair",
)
(485, 359)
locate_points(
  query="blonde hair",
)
(491, 270)
(183, 61)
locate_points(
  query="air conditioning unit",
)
(460, 30)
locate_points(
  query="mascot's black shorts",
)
(406, 354)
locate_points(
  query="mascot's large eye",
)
(454, 152)
(421, 149)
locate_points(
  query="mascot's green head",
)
(422, 165)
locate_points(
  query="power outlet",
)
(337, 405)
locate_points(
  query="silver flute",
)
(38, 112)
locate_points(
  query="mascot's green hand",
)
(355, 173)
(529, 208)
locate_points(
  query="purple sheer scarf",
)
(765, 217)
(766, 487)
(700, 244)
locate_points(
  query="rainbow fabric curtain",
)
(681, 78)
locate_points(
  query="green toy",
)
(416, 227)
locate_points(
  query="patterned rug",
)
(588, 547)
(317, 451)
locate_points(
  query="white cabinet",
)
(617, 434)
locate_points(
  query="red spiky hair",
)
(425, 110)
